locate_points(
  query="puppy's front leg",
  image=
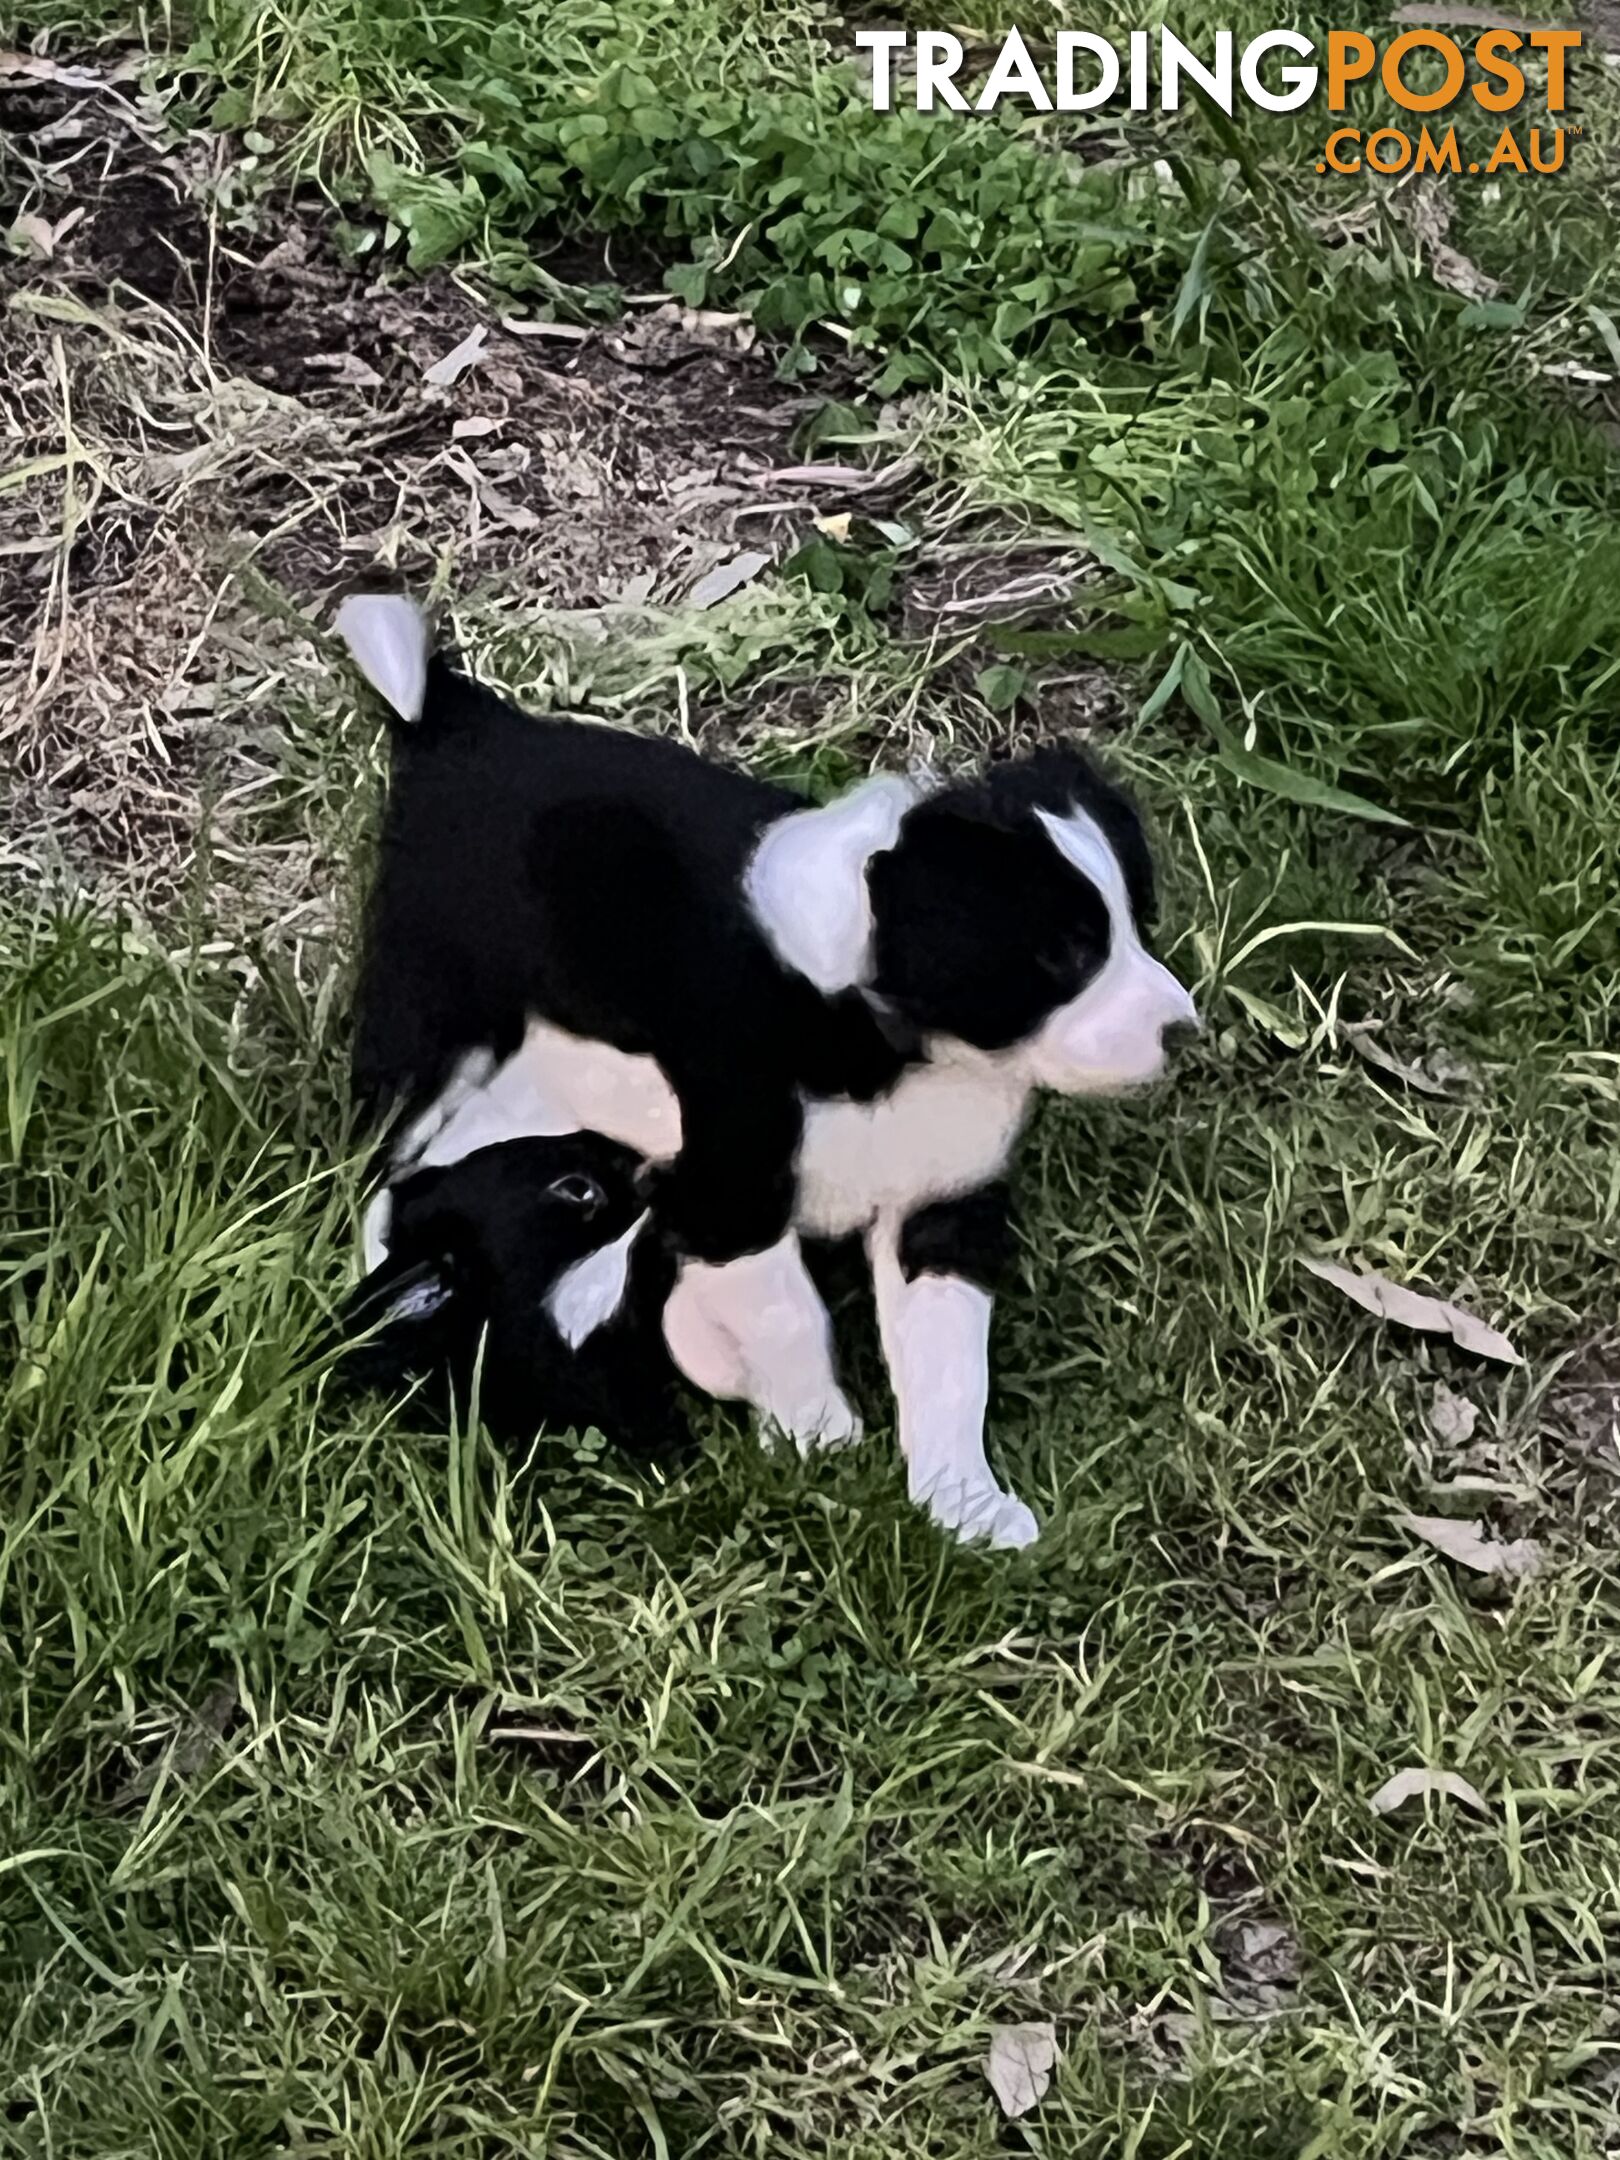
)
(756, 1328)
(935, 1328)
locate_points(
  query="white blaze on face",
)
(587, 1295)
(1112, 1035)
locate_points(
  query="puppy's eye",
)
(576, 1190)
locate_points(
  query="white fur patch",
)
(946, 1127)
(560, 1083)
(472, 1072)
(375, 1225)
(704, 1351)
(587, 1295)
(419, 1300)
(1112, 1035)
(807, 882)
(388, 639)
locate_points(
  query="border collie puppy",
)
(507, 1277)
(812, 1021)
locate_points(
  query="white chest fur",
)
(946, 1128)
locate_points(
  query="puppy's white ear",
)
(388, 638)
(807, 882)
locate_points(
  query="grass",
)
(366, 1792)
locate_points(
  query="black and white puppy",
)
(812, 1021)
(507, 1281)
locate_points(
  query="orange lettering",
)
(1331, 149)
(1441, 156)
(1555, 44)
(1430, 41)
(1491, 53)
(1350, 57)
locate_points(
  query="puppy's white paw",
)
(975, 1508)
(837, 1427)
(828, 1424)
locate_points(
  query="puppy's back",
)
(525, 864)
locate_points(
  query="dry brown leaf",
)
(836, 528)
(41, 234)
(849, 476)
(527, 326)
(1467, 1544)
(1452, 269)
(727, 577)
(713, 327)
(1408, 1784)
(35, 232)
(1386, 1300)
(1425, 207)
(30, 67)
(1452, 1418)
(1019, 2065)
(1364, 1042)
(1470, 18)
(347, 367)
(474, 424)
(518, 517)
(458, 360)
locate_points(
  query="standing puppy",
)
(811, 1021)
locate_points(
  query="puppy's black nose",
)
(1180, 1033)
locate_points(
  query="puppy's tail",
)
(390, 643)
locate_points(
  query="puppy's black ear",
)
(392, 1297)
(394, 1326)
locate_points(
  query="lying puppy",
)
(813, 1021)
(518, 1275)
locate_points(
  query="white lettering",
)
(939, 55)
(1015, 71)
(882, 45)
(1301, 81)
(1070, 44)
(1140, 98)
(1177, 60)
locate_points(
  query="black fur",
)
(473, 1251)
(594, 878)
(970, 1236)
(981, 927)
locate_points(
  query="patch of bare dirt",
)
(207, 435)
(211, 430)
